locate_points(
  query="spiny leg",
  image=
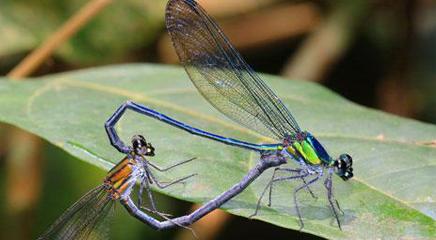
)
(308, 188)
(149, 193)
(151, 178)
(163, 186)
(140, 201)
(156, 212)
(338, 206)
(170, 167)
(295, 198)
(260, 199)
(333, 197)
(337, 203)
(141, 191)
(272, 181)
(291, 171)
(153, 206)
(151, 198)
(330, 197)
(271, 185)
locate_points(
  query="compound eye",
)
(149, 150)
(346, 159)
(138, 143)
(339, 165)
(343, 166)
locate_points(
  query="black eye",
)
(343, 166)
(138, 142)
(346, 159)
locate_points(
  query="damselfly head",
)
(141, 147)
(343, 166)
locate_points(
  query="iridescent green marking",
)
(307, 152)
(272, 147)
(319, 150)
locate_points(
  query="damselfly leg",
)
(271, 183)
(330, 197)
(85, 218)
(165, 185)
(160, 169)
(153, 205)
(152, 179)
(231, 86)
(302, 174)
(289, 170)
(297, 208)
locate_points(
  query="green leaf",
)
(392, 194)
(24, 24)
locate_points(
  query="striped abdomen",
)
(121, 178)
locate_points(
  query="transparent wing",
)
(85, 219)
(220, 73)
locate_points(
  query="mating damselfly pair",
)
(231, 86)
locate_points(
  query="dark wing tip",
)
(181, 13)
(190, 3)
(193, 3)
(177, 8)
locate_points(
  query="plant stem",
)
(70, 27)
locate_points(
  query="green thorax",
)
(310, 150)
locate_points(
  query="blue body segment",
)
(224, 79)
(115, 140)
(319, 149)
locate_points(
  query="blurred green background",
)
(377, 53)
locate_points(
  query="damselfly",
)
(231, 86)
(85, 219)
